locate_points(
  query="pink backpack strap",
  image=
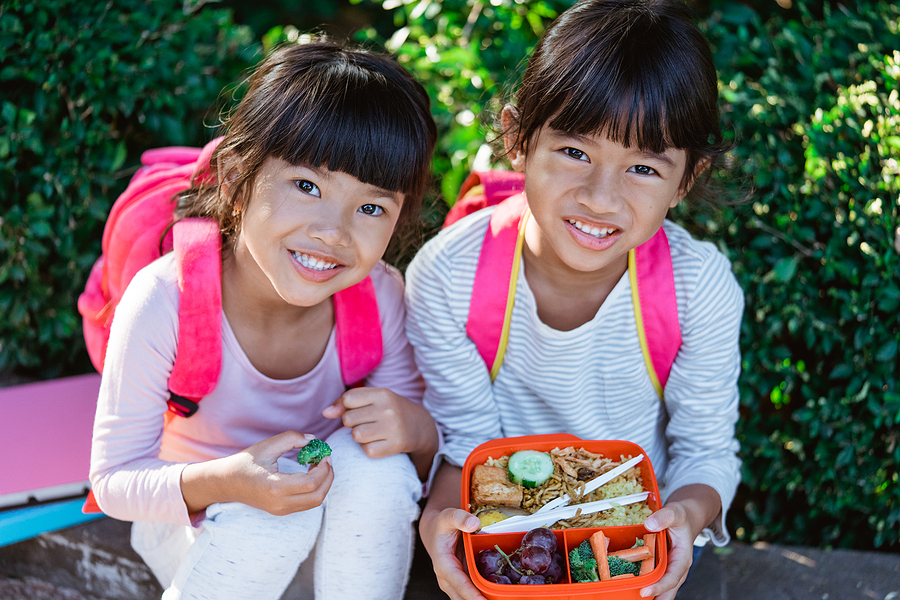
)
(494, 288)
(198, 359)
(655, 306)
(495, 186)
(357, 331)
(493, 293)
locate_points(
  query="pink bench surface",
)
(45, 438)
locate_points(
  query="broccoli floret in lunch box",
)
(313, 452)
(617, 566)
(583, 564)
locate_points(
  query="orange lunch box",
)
(620, 536)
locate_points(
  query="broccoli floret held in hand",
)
(583, 564)
(313, 452)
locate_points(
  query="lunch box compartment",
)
(621, 537)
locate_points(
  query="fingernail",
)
(473, 523)
(645, 592)
(650, 523)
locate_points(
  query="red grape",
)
(542, 537)
(497, 578)
(554, 572)
(514, 572)
(489, 561)
(532, 580)
(535, 558)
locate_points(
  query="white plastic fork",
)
(592, 485)
(528, 522)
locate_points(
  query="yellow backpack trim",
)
(511, 295)
(639, 321)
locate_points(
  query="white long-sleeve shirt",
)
(591, 381)
(136, 465)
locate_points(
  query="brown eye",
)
(308, 187)
(642, 170)
(371, 209)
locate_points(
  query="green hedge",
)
(86, 86)
(810, 95)
(814, 103)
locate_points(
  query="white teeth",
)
(597, 232)
(313, 263)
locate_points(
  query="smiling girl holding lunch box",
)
(609, 304)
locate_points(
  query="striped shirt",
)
(592, 381)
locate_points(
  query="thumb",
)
(336, 410)
(661, 519)
(459, 520)
(275, 446)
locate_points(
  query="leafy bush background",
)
(809, 94)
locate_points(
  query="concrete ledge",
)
(94, 561)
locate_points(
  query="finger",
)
(675, 575)
(336, 409)
(367, 433)
(367, 415)
(378, 449)
(316, 478)
(275, 446)
(360, 397)
(661, 519)
(455, 519)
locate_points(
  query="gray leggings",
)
(362, 535)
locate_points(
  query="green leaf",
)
(887, 351)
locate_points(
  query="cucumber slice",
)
(530, 468)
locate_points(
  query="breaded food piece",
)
(491, 487)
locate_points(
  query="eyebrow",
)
(587, 140)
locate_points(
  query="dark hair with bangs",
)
(638, 71)
(322, 104)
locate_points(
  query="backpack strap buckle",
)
(181, 406)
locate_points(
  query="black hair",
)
(638, 71)
(322, 104)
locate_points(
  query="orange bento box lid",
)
(620, 536)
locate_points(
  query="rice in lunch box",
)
(573, 468)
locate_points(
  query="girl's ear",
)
(228, 169)
(699, 168)
(515, 150)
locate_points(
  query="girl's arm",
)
(387, 416)
(440, 526)
(129, 480)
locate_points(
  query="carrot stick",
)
(599, 544)
(649, 543)
(633, 554)
(622, 576)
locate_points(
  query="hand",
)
(440, 534)
(687, 511)
(252, 478)
(384, 423)
(672, 517)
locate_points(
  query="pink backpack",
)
(493, 291)
(139, 230)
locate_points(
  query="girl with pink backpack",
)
(594, 315)
(328, 151)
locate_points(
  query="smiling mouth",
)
(310, 262)
(597, 232)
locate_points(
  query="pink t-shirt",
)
(136, 464)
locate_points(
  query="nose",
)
(600, 193)
(330, 226)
